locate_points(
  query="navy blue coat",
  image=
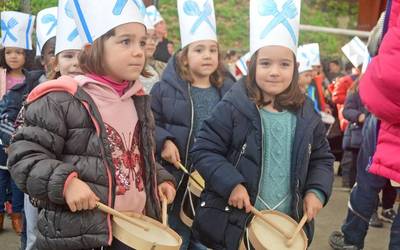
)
(173, 112)
(10, 106)
(228, 152)
(13, 101)
(353, 107)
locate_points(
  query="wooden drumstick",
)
(303, 221)
(190, 176)
(113, 212)
(271, 223)
(164, 211)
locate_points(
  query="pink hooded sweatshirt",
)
(380, 93)
(121, 121)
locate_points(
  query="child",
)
(305, 69)
(73, 142)
(191, 86)
(16, 39)
(153, 67)
(264, 145)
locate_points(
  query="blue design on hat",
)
(305, 58)
(74, 33)
(27, 33)
(82, 20)
(191, 8)
(120, 5)
(7, 27)
(270, 8)
(153, 15)
(49, 18)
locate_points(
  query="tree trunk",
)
(26, 6)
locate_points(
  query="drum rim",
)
(253, 238)
(193, 185)
(146, 244)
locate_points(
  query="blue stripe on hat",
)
(83, 21)
(28, 31)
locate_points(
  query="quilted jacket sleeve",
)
(35, 152)
(210, 149)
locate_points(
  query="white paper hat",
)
(367, 60)
(46, 27)
(154, 15)
(16, 29)
(67, 33)
(354, 51)
(303, 58)
(148, 23)
(94, 18)
(274, 22)
(312, 50)
(197, 21)
(242, 63)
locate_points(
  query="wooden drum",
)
(191, 199)
(263, 235)
(153, 235)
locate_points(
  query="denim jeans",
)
(17, 195)
(363, 203)
(31, 217)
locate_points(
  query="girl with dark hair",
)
(264, 146)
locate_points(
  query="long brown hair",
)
(182, 67)
(291, 99)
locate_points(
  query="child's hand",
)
(312, 205)
(167, 190)
(170, 153)
(240, 199)
(79, 196)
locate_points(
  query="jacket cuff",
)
(68, 180)
(320, 195)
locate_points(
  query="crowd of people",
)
(111, 112)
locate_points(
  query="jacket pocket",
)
(211, 220)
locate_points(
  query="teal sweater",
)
(275, 191)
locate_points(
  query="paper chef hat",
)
(16, 29)
(303, 58)
(355, 51)
(197, 21)
(242, 63)
(274, 22)
(95, 18)
(367, 60)
(67, 33)
(312, 50)
(46, 27)
(148, 23)
(154, 15)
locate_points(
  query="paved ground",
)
(330, 219)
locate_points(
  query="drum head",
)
(193, 186)
(327, 118)
(264, 236)
(158, 236)
(394, 184)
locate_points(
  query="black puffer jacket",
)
(63, 133)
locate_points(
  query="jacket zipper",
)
(243, 150)
(189, 137)
(262, 166)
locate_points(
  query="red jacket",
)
(380, 93)
(339, 92)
